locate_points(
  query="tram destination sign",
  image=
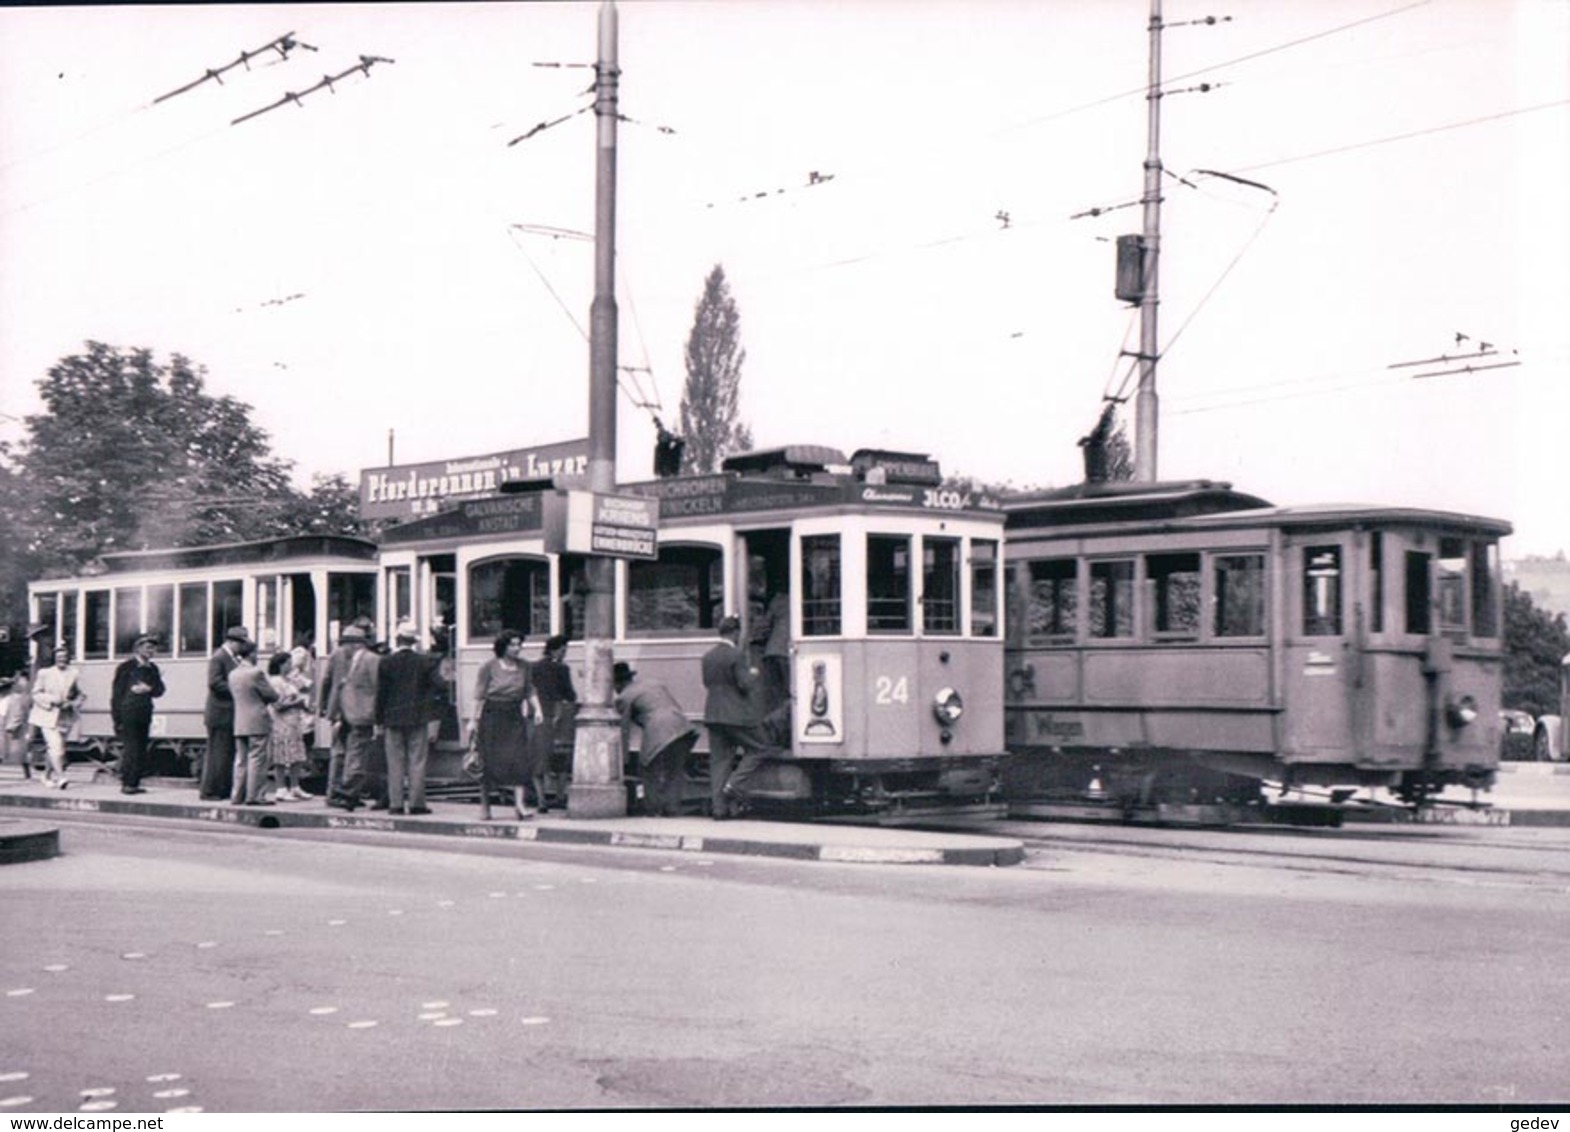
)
(590, 522)
(410, 491)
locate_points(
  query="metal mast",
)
(1146, 405)
(597, 789)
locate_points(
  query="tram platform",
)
(852, 844)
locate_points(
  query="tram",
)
(1184, 643)
(287, 591)
(891, 699)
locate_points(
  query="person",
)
(137, 683)
(407, 693)
(16, 734)
(504, 705)
(734, 718)
(57, 697)
(337, 668)
(351, 708)
(217, 776)
(776, 650)
(667, 737)
(251, 693)
(287, 757)
(559, 702)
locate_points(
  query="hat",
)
(352, 633)
(237, 633)
(144, 639)
(730, 624)
(622, 672)
(558, 641)
(407, 631)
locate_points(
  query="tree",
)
(709, 400)
(1535, 644)
(130, 454)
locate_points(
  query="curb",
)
(983, 852)
(24, 840)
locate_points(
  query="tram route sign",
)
(592, 522)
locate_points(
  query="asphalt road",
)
(159, 966)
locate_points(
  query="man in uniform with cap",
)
(734, 718)
(217, 778)
(407, 690)
(137, 683)
(668, 737)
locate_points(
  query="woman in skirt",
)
(505, 707)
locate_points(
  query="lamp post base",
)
(597, 800)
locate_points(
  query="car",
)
(1515, 736)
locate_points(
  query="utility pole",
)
(1146, 405)
(597, 789)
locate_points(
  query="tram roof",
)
(257, 552)
(1127, 502)
(1333, 515)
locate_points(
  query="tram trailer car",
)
(892, 696)
(1182, 643)
(286, 591)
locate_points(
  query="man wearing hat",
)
(217, 777)
(137, 683)
(351, 707)
(734, 719)
(407, 689)
(668, 737)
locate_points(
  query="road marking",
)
(134, 955)
(97, 1106)
(13, 1102)
(273, 931)
(19, 1075)
(206, 943)
(324, 1010)
(186, 1108)
(448, 1022)
(365, 1025)
(219, 1005)
(534, 1020)
(437, 1005)
(56, 968)
(100, 1091)
(160, 1078)
(395, 911)
(444, 903)
(118, 997)
(170, 1094)
(667, 868)
(544, 887)
(18, 992)
(483, 1012)
(432, 1015)
(336, 923)
(497, 895)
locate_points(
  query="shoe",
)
(281, 796)
(378, 805)
(523, 814)
(340, 802)
(62, 783)
(301, 795)
(412, 810)
(132, 790)
(260, 802)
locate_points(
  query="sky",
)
(902, 195)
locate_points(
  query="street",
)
(160, 966)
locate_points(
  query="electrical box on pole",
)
(1131, 270)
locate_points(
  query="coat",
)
(407, 689)
(353, 695)
(219, 711)
(651, 708)
(252, 693)
(730, 679)
(128, 708)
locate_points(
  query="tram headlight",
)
(1462, 711)
(948, 706)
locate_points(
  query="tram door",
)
(767, 612)
(438, 612)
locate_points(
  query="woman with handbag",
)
(505, 707)
(56, 700)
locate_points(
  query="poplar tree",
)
(710, 408)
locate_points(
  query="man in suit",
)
(667, 737)
(137, 683)
(252, 692)
(351, 708)
(407, 688)
(218, 717)
(734, 719)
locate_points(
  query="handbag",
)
(473, 762)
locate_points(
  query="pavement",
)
(176, 799)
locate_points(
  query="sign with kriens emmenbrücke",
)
(589, 522)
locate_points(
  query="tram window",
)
(160, 615)
(349, 596)
(888, 584)
(820, 576)
(400, 594)
(95, 643)
(265, 628)
(1175, 589)
(1417, 592)
(1112, 599)
(1052, 612)
(1485, 609)
(49, 615)
(940, 585)
(1321, 591)
(1376, 571)
(68, 618)
(682, 592)
(509, 593)
(573, 581)
(1240, 595)
(127, 619)
(193, 619)
(983, 588)
(228, 607)
(1452, 585)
